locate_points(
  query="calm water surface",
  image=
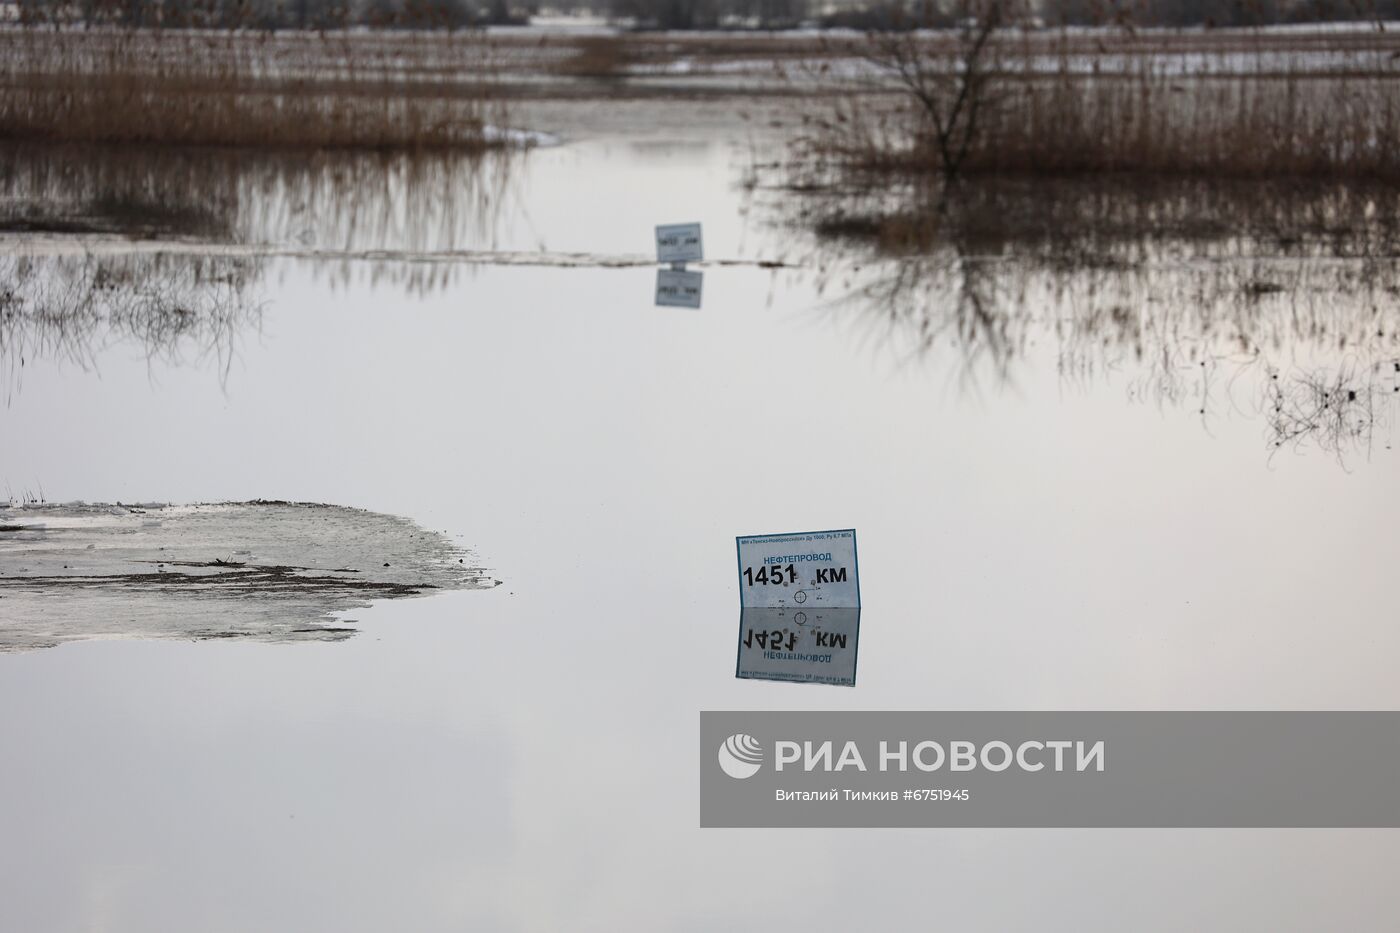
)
(1035, 533)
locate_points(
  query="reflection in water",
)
(678, 288)
(206, 221)
(1193, 294)
(1338, 410)
(1273, 301)
(348, 202)
(810, 644)
(72, 308)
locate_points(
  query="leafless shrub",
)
(953, 83)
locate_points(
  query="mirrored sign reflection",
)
(799, 645)
(677, 288)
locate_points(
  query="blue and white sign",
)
(679, 243)
(810, 568)
(800, 607)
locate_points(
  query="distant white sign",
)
(800, 616)
(679, 243)
(677, 288)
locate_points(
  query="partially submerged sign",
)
(679, 243)
(800, 599)
(677, 288)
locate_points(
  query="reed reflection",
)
(349, 203)
(1280, 302)
(165, 248)
(70, 309)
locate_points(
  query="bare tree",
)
(952, 79)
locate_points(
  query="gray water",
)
(1047, 521)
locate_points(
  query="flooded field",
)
(1105, 449)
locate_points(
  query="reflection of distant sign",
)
(800, 599)
(679, 243)
(677, 288)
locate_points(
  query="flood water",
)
(1165, 482)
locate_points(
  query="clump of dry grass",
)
(1239, 127)
(1115, 219)
(247, 90)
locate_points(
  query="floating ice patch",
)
(271, 571)
(524, 139)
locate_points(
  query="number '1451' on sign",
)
(777, 576)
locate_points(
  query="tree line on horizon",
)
(868, 15)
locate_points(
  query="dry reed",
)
(1048, 112)
(248, 90)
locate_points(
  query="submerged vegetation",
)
(1273, 302)
(1218, 228)
(1115, 220)
(175, 242)
(1204, 213)
(987, 99)
(72, 308)
(344, 200)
